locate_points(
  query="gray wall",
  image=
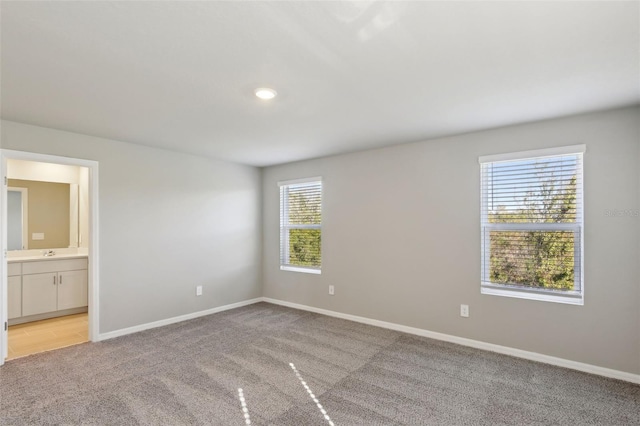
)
(401, 237)
(168, 222)
(401, 240)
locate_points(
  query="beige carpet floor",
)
(269, 365)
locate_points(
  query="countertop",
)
(36, 258)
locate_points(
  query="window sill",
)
(300, 269)
(570, 298)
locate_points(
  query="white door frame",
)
(93, 290)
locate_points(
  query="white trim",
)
(518, 353)
(577, 227)
(300, 269)
(553, 226)
(4, 280)
(536, 153)
(299, 181)
(570, 298)
(173, 320)
(93, 254)
(285, 226)
(296, 226)
(46, 158)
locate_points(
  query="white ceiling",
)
(350, 75)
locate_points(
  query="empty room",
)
(320, 213)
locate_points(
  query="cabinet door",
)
(39, 293)
(15, 297)
(72, 289)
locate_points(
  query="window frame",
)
(574, 297)
(285, 227)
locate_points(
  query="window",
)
(301, 225)
(532, 225)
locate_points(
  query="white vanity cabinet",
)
(14, 301)
(51, 288)
(54, 291)
(72, 289)
(39, 293)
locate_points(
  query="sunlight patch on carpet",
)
(313, 397)
(245, 410)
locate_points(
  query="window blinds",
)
(301, 224)
(532, 222)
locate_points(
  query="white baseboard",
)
(519, 353)
(160, 323)
(533, 356)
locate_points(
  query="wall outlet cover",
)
(464, 311)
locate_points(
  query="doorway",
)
(49, 268)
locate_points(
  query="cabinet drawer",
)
(14, 269)
(53, 266)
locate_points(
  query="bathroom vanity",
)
(43, 287)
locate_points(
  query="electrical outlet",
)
(331, 290)
(199, 290)
(464, 311)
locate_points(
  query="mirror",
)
(41, 215)
(17, 218)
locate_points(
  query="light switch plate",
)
(199, 290)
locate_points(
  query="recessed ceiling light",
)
(265, 93)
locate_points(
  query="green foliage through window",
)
(533, 258)
(304, 247)
(300, 225)
(532, 223)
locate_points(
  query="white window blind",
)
(301, 225)
(532, 225)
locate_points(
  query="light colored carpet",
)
(190, 373)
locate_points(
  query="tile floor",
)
(39, 336)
